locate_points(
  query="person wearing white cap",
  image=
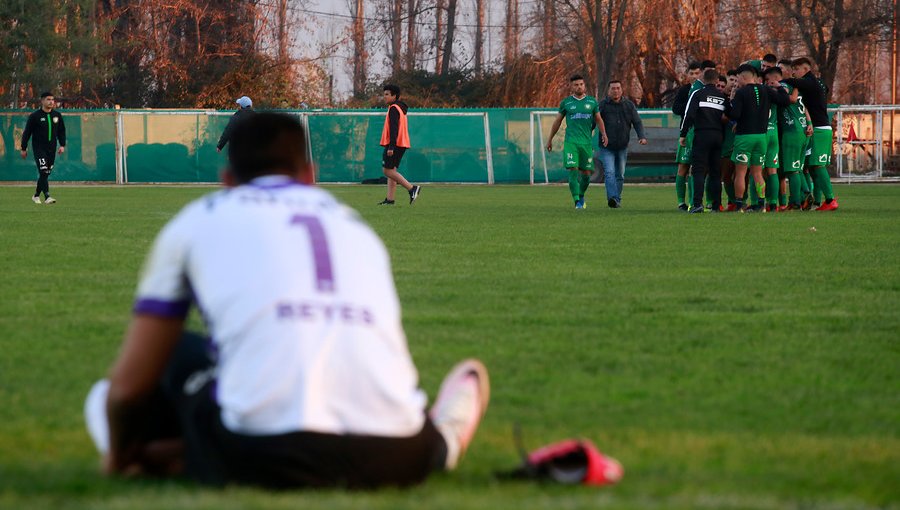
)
(245, 110)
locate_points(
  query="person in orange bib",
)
(395, 140)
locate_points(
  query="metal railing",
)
(867, 142)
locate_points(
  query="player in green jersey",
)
(768, 61)
(772, 164)
(795, 129)
(581, 114)
(727, 167)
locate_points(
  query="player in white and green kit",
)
(581, 114)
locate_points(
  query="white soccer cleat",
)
(36, 200)
(95, 415)
(50, 200)
(459, 407)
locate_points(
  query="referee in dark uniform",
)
(45, 128)
(705, 109)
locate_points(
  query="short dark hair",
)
(46, 94)
(710, 76)
(266, 144)
(801, 61)
(694, 64)
(576, 77)
(613, 81)
(785, 61)
(731, 72)
(708, 64)
(724, 78)
(747, 68)
(393, 89)
(773, 70)
(770, 57)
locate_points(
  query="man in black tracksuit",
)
(45, 128)
(705, 110)
(245, 111)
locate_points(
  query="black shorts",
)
(392, 162)
(44, 159)
(214, 455)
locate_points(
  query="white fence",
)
(867, 143)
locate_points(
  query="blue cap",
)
(244, 102)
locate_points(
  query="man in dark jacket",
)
(705, 110)
(44, 120)
(246, 110)
(619, 115)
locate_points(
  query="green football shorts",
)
(683, 154)
(793, 150)
(820, 147)
(771, 149)
(749, 149)
(578, 155)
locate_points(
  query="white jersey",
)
(299, 300)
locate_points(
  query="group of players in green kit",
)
(771, 136)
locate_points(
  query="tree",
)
(479, 36)
(826, 25)
(603, 22)
(511, 34)
(448, 43)
(438, 33)
(360, 55)
(396, 29)
(412, 42)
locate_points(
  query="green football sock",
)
(772, 189)
(823, 183)
(782, 199)
(729, 190)
(807, 178)
(689, 183)
(679, 188)
(574, 185)
(584, 182)
(794, 183)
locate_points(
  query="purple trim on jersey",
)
(161, 308)
(287, 182)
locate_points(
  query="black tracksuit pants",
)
(44, 157)
(707, 152)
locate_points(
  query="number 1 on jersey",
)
(321, 255)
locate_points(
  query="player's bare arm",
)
(602, 127)
(149, 344)
(553, 130)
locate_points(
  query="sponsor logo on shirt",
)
(576, 116)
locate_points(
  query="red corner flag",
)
(851, 136)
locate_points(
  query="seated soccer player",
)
(306, 379)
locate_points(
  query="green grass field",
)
(729, 361)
